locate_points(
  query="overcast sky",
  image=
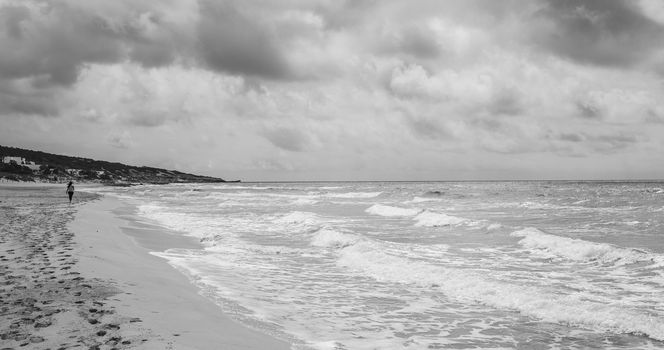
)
(341, 90)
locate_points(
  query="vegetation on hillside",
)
(54, 167)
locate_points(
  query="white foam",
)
(182, 222)
(355, 195)
(535, 205)
(423, 199)
(298, 218)
(386, 210)
(325, 345)
(533, 301)
(433, 219)
(304, 201)
(240, 187)
(326, 237)
(250, 242)
(578, 249)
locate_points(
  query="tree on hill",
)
(14, 168)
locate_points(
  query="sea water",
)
(379, 265)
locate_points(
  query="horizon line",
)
(422, 181)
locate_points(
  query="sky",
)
(291, 90)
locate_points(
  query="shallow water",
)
(536, 265)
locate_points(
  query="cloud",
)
(589, 110)
(53, 42)
(428, 128)
(653, 9)
(288, 139)
(418, 41)
(21, 97)
(653, 117)
(610, 143)
(120, 139)
(600, 32)
(337, 89)
(231, 42)
(571, 137)
(505, 102)
(12, 17)
(504, 136)
(47, 44)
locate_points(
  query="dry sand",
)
(72, 278)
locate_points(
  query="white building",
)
(22, 161)
(18, 160)
(33, 166)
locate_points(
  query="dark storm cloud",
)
(60, 39)
(48, 46)
(152, 50)
(601, 32)
(49, 43)
(232, 42)
(12, 99)
(12, 17)
(54, 53)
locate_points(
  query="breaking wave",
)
(326, 237)
(580, 250)
(468, 285)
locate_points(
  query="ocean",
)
(424, 265)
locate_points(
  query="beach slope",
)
(168, 305)
(71, 277)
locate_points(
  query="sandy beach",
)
(81, 277)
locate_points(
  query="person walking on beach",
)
(70, 190)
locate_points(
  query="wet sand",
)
(72, 278)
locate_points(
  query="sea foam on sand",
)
(176, 315)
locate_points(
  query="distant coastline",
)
(22, 165)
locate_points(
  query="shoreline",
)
(114, 248)
(80, 276)
(45, 302)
